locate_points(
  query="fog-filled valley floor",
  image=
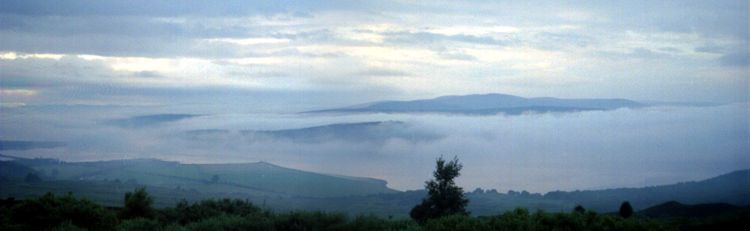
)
(533, 151)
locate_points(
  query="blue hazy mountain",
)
(148, 120)
(487, 104)
(376, 131)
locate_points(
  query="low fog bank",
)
(534, 152)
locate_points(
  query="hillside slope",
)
(732, 188)
(259, 178)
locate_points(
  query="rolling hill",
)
(677, 209)
(732, 188)
(257, 179)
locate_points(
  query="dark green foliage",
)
(455, 222)
(579, 209)
(521, 219)
(185, 213)
(68, 213)
(139, 224)
(232, 222)
(626, 210)
(444, 197)
(137, 204)
(311, 221)
(713, 216)
(49, 211)
(365, 223)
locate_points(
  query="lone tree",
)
(444, 197)
(626, 210)
(137, 204)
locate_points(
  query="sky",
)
(77, 72)
(321, 53)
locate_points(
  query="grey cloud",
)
(148, 74)
(172, 8)
(708, 18)
(457, 55)
(415, 38)
(381, 72)
(262, 74)
(670, 50)
(131, 35)
(711, 48)
(741, 59)
(557, 41)
(65, 72)
(645, 53)
(107, 45)
(28, 145)
(635, 53)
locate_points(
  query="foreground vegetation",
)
(443, 208)
(67, 212)
(104, 182)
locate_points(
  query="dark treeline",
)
(67, 212)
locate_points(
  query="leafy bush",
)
(310, 221)
(139, 224)
(455, 222)
(185, 213)
(64, 212)
(68, 213)
(231, 223)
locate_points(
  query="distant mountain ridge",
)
(486, 104)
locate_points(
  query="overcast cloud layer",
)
(115, 52)
(70, 70)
